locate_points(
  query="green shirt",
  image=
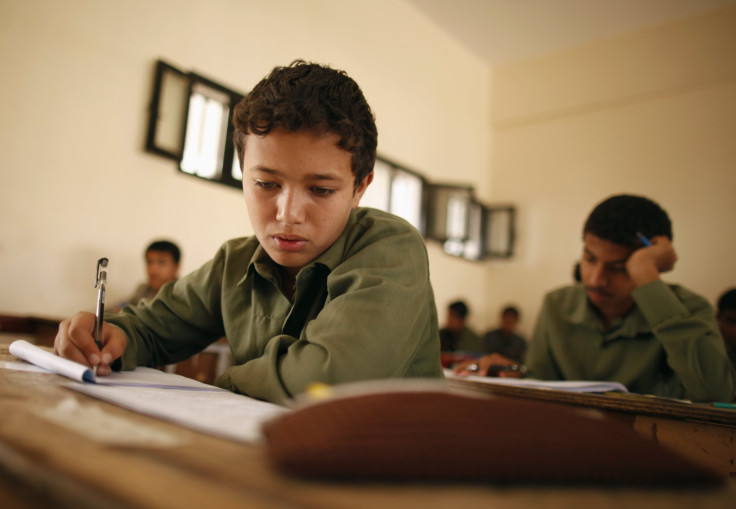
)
(667, 345)
(364, 309)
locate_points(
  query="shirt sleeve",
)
(688, 331)
(379, 321)
(180, 321)
(540, 362)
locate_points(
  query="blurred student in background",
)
(457, 340)
(162, 266)
(623, 323)
(726, 316)
(504, 340)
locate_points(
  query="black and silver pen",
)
(101, 285)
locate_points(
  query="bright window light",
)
(204, 142)
(457, 214)
(406, 197)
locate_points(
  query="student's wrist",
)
(643, 276)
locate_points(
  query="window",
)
(398, 191)
(499, 232)
(191, 122)
(167, 112)
(448, 215)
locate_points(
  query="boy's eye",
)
(322, 191)
(263, 184)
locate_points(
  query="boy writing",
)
(324, 291)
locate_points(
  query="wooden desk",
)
(700, 432)
(45, 463)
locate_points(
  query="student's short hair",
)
(512, 310)
(727, 301)
(619, 218)
(459, 308)
(316, 98)
(165, 246)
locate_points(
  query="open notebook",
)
(162, 395)
(557, 385)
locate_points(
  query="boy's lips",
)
(289, 242)
(597, 295)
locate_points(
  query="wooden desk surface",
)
(626, 403)
(46, 462)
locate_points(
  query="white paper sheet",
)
(557, 385)
(218, 412)
(163, 395)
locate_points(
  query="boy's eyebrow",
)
(309, 177)
(611, 262)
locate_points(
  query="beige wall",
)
(650, 113)
(76, 184)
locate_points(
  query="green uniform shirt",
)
(364, 309)
(668, 345)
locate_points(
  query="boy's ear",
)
(358, 193)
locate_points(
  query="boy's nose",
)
(597, 277)
(290, 208)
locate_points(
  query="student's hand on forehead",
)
(647, 263)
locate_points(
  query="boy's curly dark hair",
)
(310, 96)
(619, 218)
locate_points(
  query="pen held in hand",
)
(644, 240)
(101, 285)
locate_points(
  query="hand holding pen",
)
(85, 338)
(655, 256)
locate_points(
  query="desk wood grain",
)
(700, 432)
(68, 469)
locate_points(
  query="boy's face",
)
(298, 189)
(509, 321)
(455, 322)
(603, 271)
(161, 268)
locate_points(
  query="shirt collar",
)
(583, 314)
(262, 264)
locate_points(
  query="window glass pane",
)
(171, 111)
(499, 232)
(457, 216)
(406, 197)
(473, 249)
(448, 212)
(204, 142)
(453, 247)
